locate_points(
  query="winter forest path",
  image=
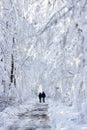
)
(36, 118)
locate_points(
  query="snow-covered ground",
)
(26, 116)
(41, 116)
(65, 118)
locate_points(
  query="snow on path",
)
(29, 117)
(40, 116)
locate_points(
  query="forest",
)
(43, 46)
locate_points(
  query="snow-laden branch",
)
(57, 16)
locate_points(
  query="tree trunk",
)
(12, 69)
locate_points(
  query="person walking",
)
(40, 95)
(43, 96)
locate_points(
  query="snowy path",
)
(35, 119)
(39, 116)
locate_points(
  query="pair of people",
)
(42, 96)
